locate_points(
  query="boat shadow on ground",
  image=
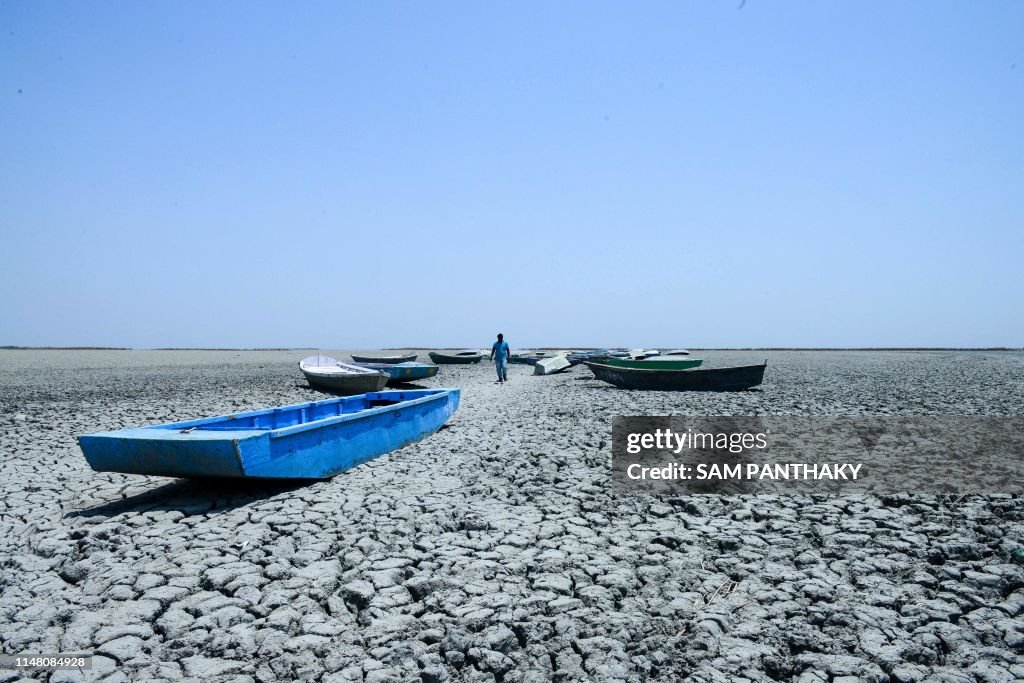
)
(195, 497)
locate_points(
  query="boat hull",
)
(404, 372)
(309, 441)
(346, 384)
(711, 379)
(446, 359)
(655, 363)
(387, 360)
(551, 366)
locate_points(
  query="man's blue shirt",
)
(500, 350)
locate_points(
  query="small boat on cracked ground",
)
(330, 374)
(405, 358)
(709, 379)
(399, 373)
(456, 357)
(550, 366)
(307, 441)
(527, 357)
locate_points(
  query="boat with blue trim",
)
(399, 373)
(306, 441)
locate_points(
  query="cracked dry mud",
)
(494, 549)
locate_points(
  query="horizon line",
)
(539, 348)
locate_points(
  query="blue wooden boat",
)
(403, 372)
(306, 441)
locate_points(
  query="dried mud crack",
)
(495, 550)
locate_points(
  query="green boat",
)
(655, 363)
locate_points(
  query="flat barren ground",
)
(495, 550)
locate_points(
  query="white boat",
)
(549, 366)
(676, 352)
(330, 374)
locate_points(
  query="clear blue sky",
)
(361, 174)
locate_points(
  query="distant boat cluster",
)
(364, 373)
(671, 370)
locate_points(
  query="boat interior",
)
(303, 413)
(325, 365)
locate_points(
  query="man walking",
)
(499, 354)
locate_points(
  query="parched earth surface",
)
(495, 550)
